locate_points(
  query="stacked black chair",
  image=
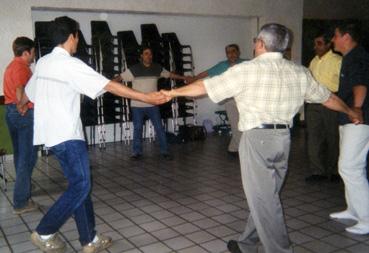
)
(182, 63)
(130, 49)
(108, 62)
(43, 40)
(151, 37)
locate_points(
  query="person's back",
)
(61, 79)
(273, 91)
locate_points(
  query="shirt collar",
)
(60, 50)
(270, 55)
(21, 60)
(326, 55)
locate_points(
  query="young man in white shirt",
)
(55, 89)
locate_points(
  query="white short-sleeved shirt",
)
(267, 90)
(55, 88)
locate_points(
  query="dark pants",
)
(76, 200)
(25, 154)
(322, 140)
(153, 113)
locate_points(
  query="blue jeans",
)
(76, 200)
(25, 154)
(138, 115)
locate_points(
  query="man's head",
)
(65, 33)
(25, 48)
(146, 56)
(232, 53)
(322, 42)
(272, 38)
(346, 36)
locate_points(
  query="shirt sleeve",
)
(360, 74)
(127, 76)
(216, 69)
(315, 92)
(86, 80)
(226, 85)
(165, 73)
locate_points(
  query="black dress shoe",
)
(315, 178)
(232, 246)
(136, 157)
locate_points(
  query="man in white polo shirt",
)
(55, 89)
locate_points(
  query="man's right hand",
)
(155, 98)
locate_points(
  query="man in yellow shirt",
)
(322, 126)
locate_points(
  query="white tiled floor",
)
(192, 204)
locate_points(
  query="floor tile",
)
(194, 204)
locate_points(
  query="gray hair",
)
(276, 37)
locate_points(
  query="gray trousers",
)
(322, 140)
(264, 162)
(233, 117)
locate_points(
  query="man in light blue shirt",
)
(233, 58)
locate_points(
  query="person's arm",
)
(118, 89)
(22, 103)
(187, 79)
(202, 75)
(359, 93)
(19, 93)
(192, 90)
(336, 104)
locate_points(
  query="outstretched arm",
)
(118, 89)
(192, 90)
(187, 79)
(202, 75)
(336, 104)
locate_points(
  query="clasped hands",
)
(158, 97)
(356, 115)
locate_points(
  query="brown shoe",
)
(51, 245)
(103, 242)
(31, 206)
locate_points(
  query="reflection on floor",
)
(194, 203)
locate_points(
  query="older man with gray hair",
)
(268, 90)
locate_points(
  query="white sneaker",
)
(343, 215)
(360, 228)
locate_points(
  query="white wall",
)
(207, 36)
(16, 20)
